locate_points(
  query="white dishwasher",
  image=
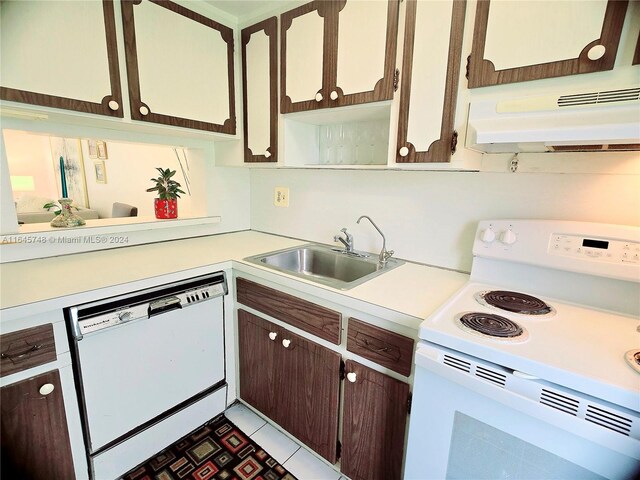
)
(149, 368)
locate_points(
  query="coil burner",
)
(633, 359)
(491, 326)
(515, 302)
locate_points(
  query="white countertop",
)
(411, 289)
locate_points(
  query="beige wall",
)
(29, 154)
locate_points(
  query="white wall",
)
(431, 217)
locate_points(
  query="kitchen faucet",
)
(347, 241)
(384, 253)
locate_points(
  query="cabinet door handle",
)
(333, 95)
(46, 389)
(352, 377)
(286, 343)
(144, 110)
(113, 105)
(267, 154)
(319, 97)
(404, 151)
(21, 355)
(273, 335)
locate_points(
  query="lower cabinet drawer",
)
(386, 348)
(26, 348)
(315, 319)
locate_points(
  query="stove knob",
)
(508, 237)
(488, 236)
(124, 316)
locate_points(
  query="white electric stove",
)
(532, 369)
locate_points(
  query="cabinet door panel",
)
(431, 68)
(309, 394)
(365, 52)
(35, 437)
(373, 426)
(302, 31)
(520, 41)
(260, 96)
(179, 65)
(60, 54)
(257, 368)
(537, 35)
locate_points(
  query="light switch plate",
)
(281, 197)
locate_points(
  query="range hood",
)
(577, 122)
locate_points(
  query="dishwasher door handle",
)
(164, 305)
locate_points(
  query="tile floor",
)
(295, 458)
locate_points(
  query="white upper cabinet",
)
(431, 68)
(179, 66)
(302, 62)
(529, 40)
(60, 54)
(362, 47)
(338, 53)
(260, 96)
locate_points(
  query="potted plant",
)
(166, 205)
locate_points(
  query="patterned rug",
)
(217, 450)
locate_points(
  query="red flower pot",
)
(166, 208)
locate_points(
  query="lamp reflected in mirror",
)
(22, 183)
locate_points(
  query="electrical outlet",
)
(281, 197)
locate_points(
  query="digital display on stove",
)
(595, 243)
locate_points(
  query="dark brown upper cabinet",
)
(179, 66)
(260, 91)
(337, 53)
(430, 77)
(60, 55)
(521, 41)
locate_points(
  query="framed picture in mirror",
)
(100, 171)
(102, 150)
(93, 148)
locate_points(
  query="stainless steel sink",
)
(325, 265)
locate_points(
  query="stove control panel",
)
(611, 251)
(596, 248)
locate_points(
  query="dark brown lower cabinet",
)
(373, 425)
(257, 362)
(292, 380)
(35, 437)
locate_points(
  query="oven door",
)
(464, 427)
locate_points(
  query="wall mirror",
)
(105, 179)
